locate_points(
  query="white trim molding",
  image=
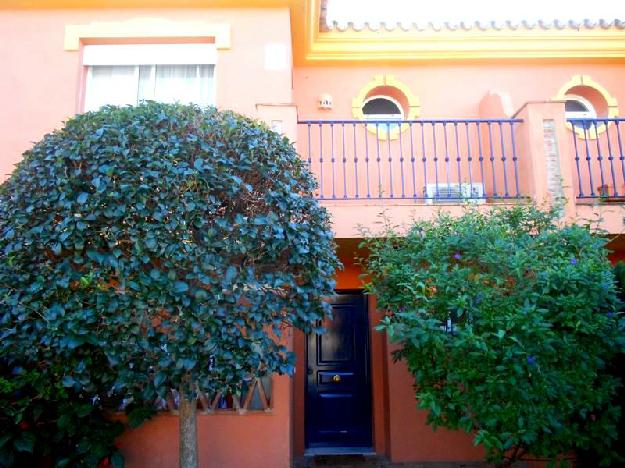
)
(142, 28)
(150, 54)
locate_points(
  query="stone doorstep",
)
(374, 461)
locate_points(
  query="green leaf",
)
(117, 460)
(231, 273)
(189, 363)
(83, 410)
(83, 446)
(68, 381)
(159, 378)
(24, 442)
(64, 421)
(82, 198)
(181, 287)
(138, 415)
(4, 438)
(151, 243)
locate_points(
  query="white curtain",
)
(124, 84)
(176, 83)
(110, 85)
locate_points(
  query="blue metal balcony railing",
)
(599, 158)
(434, 161)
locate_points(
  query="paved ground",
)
(372, 461)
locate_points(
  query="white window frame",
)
(137, 55)
(150, 54)
(591, 113)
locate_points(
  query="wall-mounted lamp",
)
(325, 101)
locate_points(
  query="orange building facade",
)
(400, 120)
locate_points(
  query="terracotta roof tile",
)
(466, 15)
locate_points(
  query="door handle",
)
(336, 378)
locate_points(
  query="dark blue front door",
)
(338, 387)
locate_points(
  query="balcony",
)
(599, 155)
(422, 161)
(409, 169)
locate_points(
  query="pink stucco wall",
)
(40, 82)
(252, 440)
(452, 90)
(460, 90)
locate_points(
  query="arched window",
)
(577, 107)
(584, 98)
(382, 108)
(386, 101)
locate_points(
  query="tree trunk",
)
(188, 432)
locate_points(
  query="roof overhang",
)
(315, 44)
(324, 45)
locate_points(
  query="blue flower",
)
(531, 360)
(610, 314)
(573, 261)
(457, 256)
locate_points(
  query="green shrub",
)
(148, 248)
(506, 320)
(43, 420)
(587, 458)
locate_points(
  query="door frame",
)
(369, 378)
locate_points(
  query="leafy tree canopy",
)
(159, 246)
(507, 321)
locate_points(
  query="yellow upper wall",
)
(41, 4)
